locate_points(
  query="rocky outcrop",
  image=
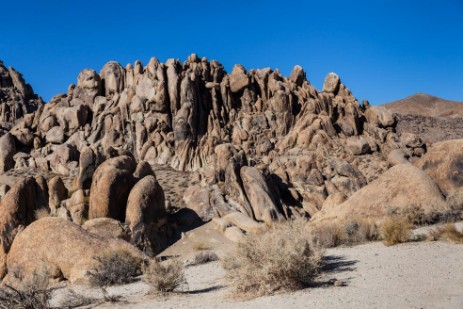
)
(444, 164)
(145, 212)
(17, 99)
(64, 248)
(432, 119)
(401, 190)
(111, 185)
(255, 142)
(18, 209)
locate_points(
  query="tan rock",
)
(107, 228)
(244, 222)
(401, 188)
(259, 195)
(111, 185)
(444, 164)
(61, 246)
(197, 199)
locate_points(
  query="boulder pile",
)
(257, 147)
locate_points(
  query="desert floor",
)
(412, 275)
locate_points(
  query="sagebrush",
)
(347, 232)
(450, 232)
(283, 258)
(33, 294)
(204, 257)
(395, 230)
(166, 276)
(115, 267)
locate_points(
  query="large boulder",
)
(86, 168)
(107, 228)
(444, 164)
(7, 151)
(401, 189)
(111, 185)
(146, 210)
(64, 248)
(17, 209)
(260, 196)
(57, 193)
(197, 199)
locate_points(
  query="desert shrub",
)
(165, 276)
(328, 234)
(34, 293)
(395, 230)
(283, 258)
(355, 231)
(204, 257)
(200, 245)
(450, 232)
(114, 267)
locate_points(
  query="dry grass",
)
(283, 258)
(114, 267)
(395, 230)
(356, 231)
(200, 245)
(450, 232)
(203, 258)
(166, 276)
(33, 294)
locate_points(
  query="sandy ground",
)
(413, 275)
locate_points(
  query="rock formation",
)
(146, 151)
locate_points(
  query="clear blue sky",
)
(383, 50)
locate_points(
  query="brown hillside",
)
(426, 105)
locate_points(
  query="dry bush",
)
(328, 234)
(355, 231)
(395, 230)
(204, 257)
(34, 293)
(450, 232)
(166, 276)
(200, 245)
(114, 267)
(283, 258)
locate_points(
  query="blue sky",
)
(383, 50)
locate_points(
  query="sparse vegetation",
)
(200, 245)
(450, 232)
(33, 294)
(115, 267)
(283, 258)
(395, 230)
(204, 257)
(333, 234)
(166, 276)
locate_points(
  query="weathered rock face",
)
(258, 143)
(17, 210)
(444, 164)
(110, 188)
(17, 99)
(401, 189)
(62, 247)
(146, 211)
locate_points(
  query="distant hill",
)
(426, 105)
(432, 118)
